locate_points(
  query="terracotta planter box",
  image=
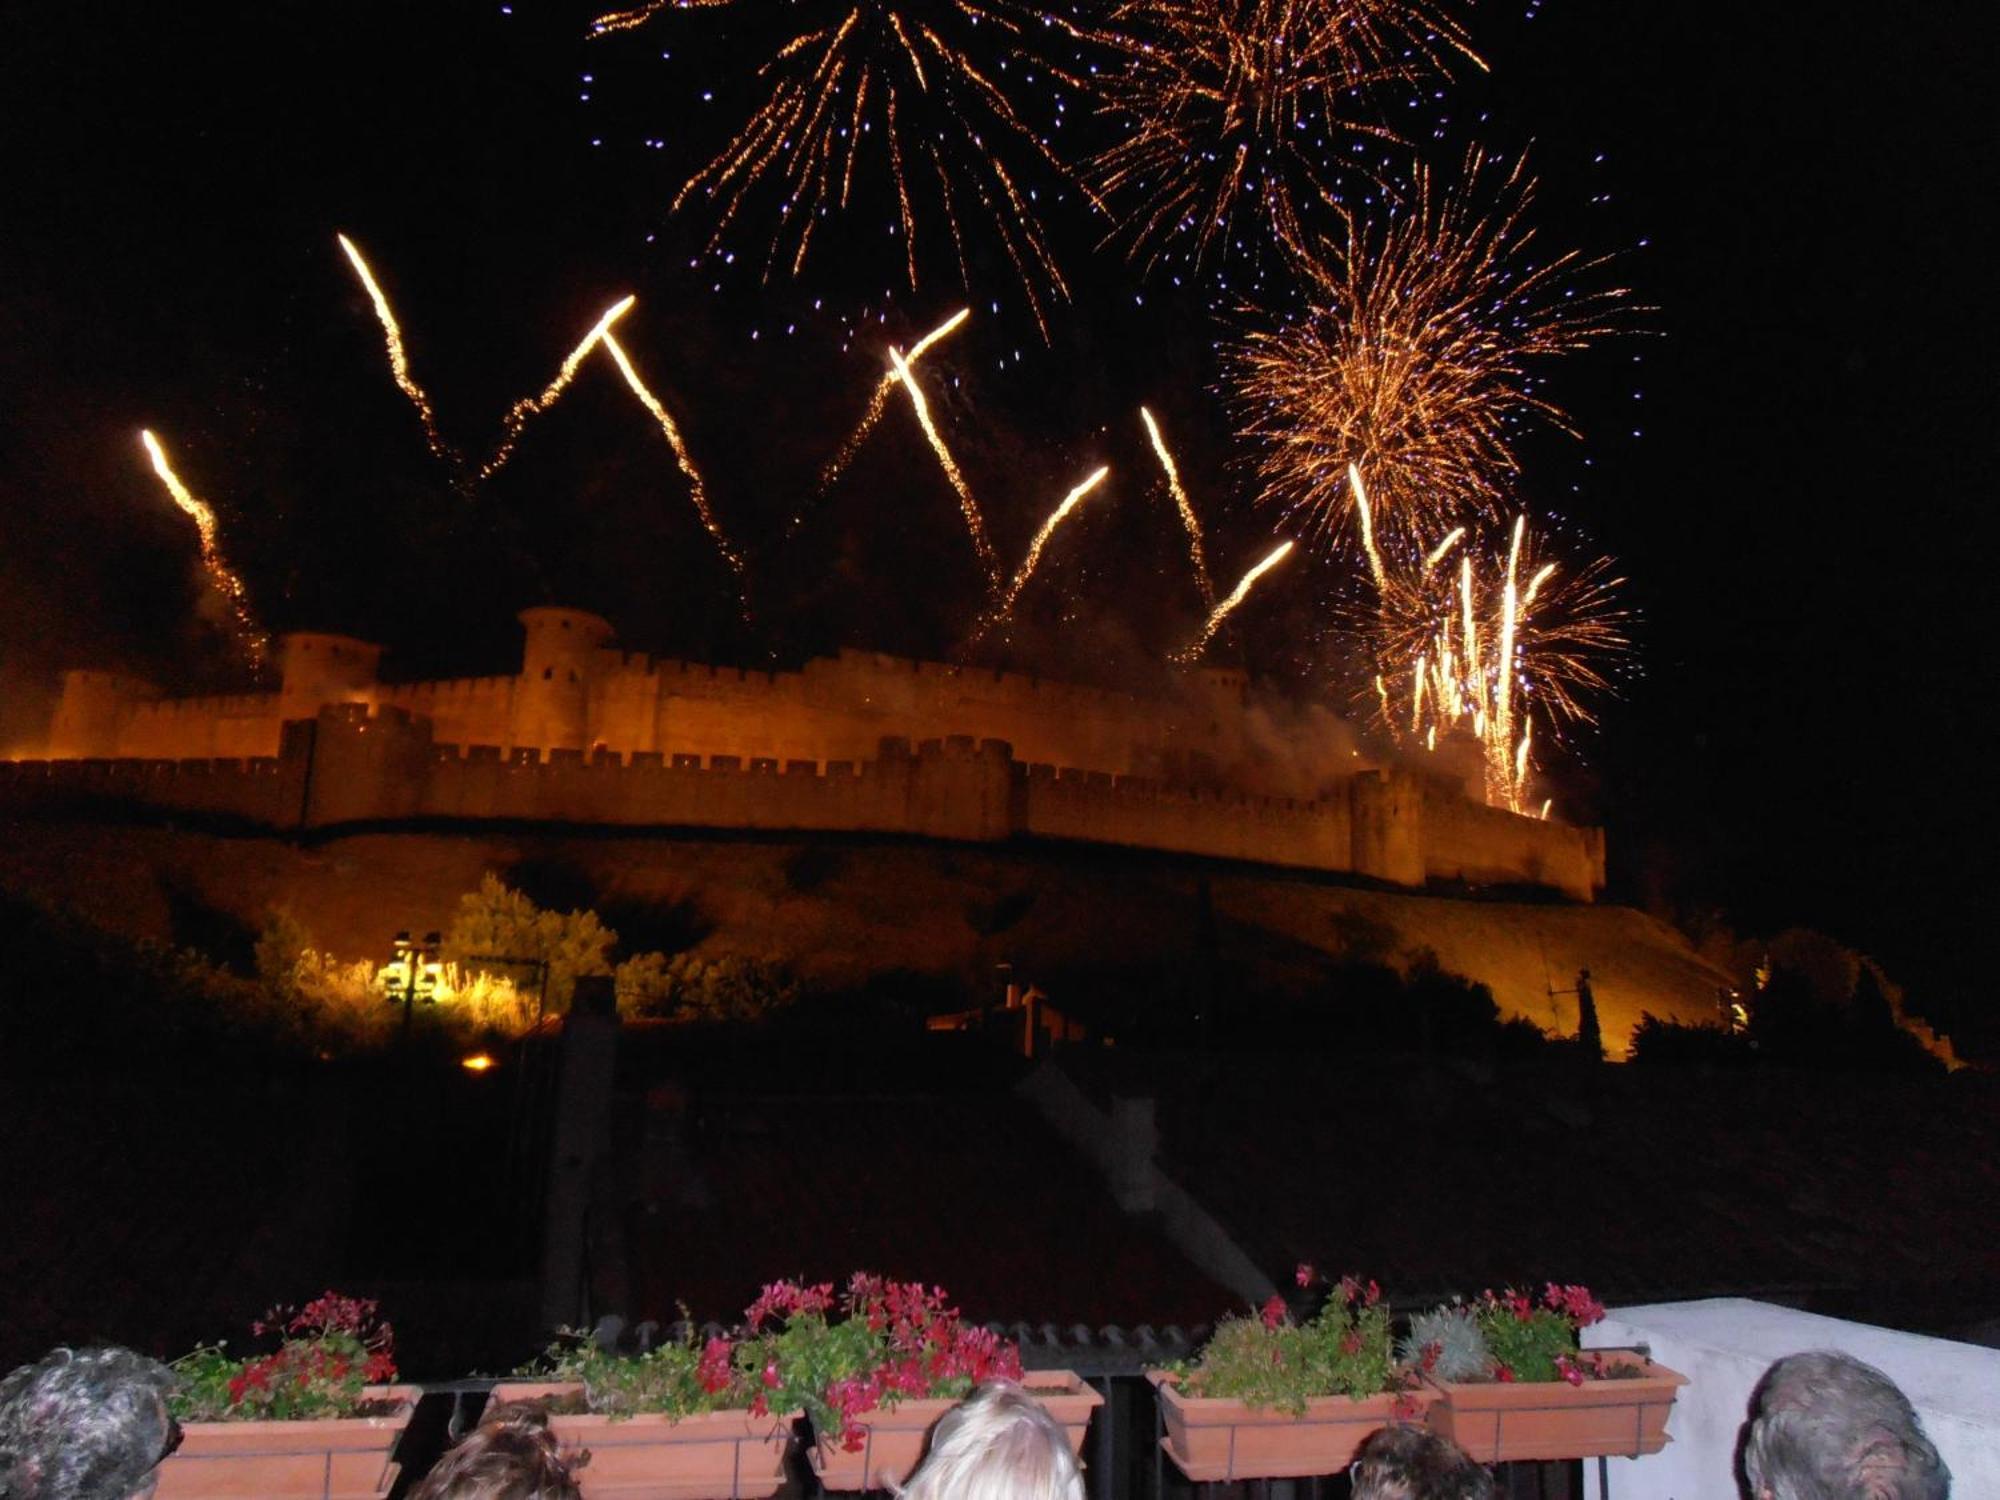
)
(338, 1458)
(1215, 1437)
(896, 1434)
(717, 1455)
(1510, 1422)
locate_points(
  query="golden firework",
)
(1415, 365)
(975, 521)
(1061, 513)
(878, 400)
(1189, 521)
(529, 406)
(399, 361)
(913, 89)
(1237, 119)
(1227, 607)
(250, 637)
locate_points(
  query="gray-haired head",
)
(997, 1444)
(1825, 1426)
(1414, 1463)
(84, 1424)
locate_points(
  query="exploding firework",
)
(1070, 502)
(1239, 119)
(975, 521)
(1415, 366)
(1227, 607)
(913, 89)
(250, 637)
(697, 487)
(1509, 648)
(399, 362)
(878, 400)
(529, 406)
(1189, 521)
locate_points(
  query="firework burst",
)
(1416, 365)
(1238, 119)
(916, 91)
(251, 640)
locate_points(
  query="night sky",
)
(1794, 468)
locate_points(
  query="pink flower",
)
(770, 1376)
(714, 1368)
(1304, 1274)
(1273, 1312)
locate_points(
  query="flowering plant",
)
(1508, 1336)
(892, 1341)
(329, 1352)
(1271, 1360)
(676, 1380)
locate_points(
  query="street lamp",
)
(414, 974)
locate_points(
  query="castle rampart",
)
(586, 733)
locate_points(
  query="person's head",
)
(1414, 1463)
(997, 1444)
(85, 1424)
(1825, 1426)
(510, 1455)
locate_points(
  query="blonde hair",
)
(997, 1444)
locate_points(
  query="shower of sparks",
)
(878, 400)
(639, 15)
(1474, 651)
(250, 637)
(1074, 498)
(1223, 610)
(1239, 119)
(975, 523)
(1189, 520)
(1414, 365)
(399, 362)
(529, 406)
(697, 487)
(911, 94)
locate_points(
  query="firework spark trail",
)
(399, 363)
(878, 401)
(1417, 358)
(1189, 520)
(529, 406)
(639, 15)
(1367, 518)
(1074, 498)
(250, 637)
(1452, 539)
(1236, 121)
(697, 487)
(920, 88)
(975, 523)
(1505, 667)
(1222, 611)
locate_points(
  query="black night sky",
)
(1804, 517)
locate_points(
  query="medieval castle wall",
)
(854, 743)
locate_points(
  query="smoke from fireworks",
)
(1237, 119)
(919, 90)
(1189, 521)
(1074, 498)
(1237, 595)
(1414, 366)
(975, 522)
(878, 400)
(399, 363)
(250, 637)
(529, 406)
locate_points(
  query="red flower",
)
(770, 1376)
(1503, 1374)
(714, 1370)
(1273, 1311)
(1433, 1351)
(759, 1407)
(1304, 1274)
(1350, 1341)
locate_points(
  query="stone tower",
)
(558, 661)
(318, 669)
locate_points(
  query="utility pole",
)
(414, 974)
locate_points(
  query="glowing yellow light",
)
(1222, 611)
(1188, 519)
(1367, 518)
(528, 406)
(250, 637)
(478, 1062)
(1056, 517)
(878, 400)
(975, 523)
(399, 363)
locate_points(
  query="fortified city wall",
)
(586, 734)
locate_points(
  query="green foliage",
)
(675, 1380)
(1271, 1361)
(1447, 1342)
(328, 1354)
(688, 987)
(498, 920)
